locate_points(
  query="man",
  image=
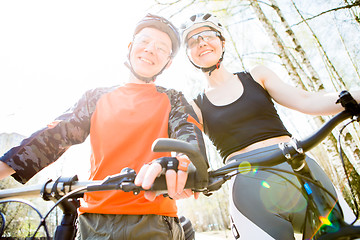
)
(122, 122)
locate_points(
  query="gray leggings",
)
(265, 205)
(129, 227)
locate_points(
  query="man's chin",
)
(145, 78)
(149, 80)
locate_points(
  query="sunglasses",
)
(206, 36)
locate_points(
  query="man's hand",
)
(5, 170)
(175, 180)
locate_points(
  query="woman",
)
(239, 117)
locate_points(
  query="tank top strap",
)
(199, 100)
(245, 78)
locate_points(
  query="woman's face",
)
(204, 47)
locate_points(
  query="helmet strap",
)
(144, 79)
(212, 68)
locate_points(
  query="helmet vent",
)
(207, 16)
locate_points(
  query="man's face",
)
(151, 50)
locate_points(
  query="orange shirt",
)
(122, 122)
(124, 125)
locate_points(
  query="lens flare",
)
(280, 194)
(244, 167)
(329, 224)
(265, 184)
(325, 221)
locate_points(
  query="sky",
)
(51, 52)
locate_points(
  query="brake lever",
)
(131, 187)
(123, 181)
(126, 175)
(116, 181)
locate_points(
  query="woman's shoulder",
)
(260, 73)
(259, 68)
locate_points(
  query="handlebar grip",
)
(174, 145)
(349, 103)
(160, 182)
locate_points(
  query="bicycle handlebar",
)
(305, 145)
(197, 176)
(200, 179)
(34, 190)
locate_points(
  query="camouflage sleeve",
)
(48, 144)
(184, 123)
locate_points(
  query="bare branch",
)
(357, 3)
(158, 2)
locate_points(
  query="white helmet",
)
(201, 20)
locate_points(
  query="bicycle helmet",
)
(203, 20)
(162, 24)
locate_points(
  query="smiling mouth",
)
(146, 60)
(204, 53)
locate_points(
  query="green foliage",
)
(21, 220)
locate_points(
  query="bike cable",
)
(356, 210)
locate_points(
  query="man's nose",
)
(150, 47)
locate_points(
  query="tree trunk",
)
(314, 78)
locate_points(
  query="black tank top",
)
(249, 119)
